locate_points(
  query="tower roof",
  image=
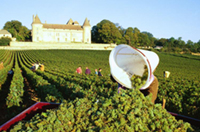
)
(37, 20)
(75, 23)
(70, 22)
(86, 22)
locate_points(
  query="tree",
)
(4, 41)
(136, 33)
(21, 33)
(94, 33)
(162, 42)
(106, 32)
(121, 30)
(148, 34)
(136, 30)
(144, 39)
(181, 43)
(129, 36)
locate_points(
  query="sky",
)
(162, 18)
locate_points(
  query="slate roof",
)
(62, 26)
(37, 20)
(86, 22)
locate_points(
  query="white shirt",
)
(36, 66)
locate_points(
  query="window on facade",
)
(37, 38)
(58, 39)
(74, 39)
(66, 34)
(66, 39)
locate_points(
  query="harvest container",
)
(166, 74)
(43, 106)
(126, 61)
(28, 114)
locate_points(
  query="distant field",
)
(180, 66)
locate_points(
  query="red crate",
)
(193, 121)
(43, 106)
(28, 113)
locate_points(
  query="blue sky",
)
(164, 19)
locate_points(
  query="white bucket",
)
(126, 61)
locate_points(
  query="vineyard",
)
(91, 103)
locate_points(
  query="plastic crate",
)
(43, 106)
(193, 121)
(28, 113)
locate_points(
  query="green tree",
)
(162, 42)
(4, 41)
(198, 46)
(94, 34)
(150, 40)
(148, 34)
(144, 39)
(136, 33)
(21, 33)
(106, 32)
(180, 43)
(129, 36)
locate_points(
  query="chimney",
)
(33, 18)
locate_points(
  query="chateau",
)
(64, 33)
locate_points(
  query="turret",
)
(86, 31)
(70, 22)
(37, 33)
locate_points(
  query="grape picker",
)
(134, 68)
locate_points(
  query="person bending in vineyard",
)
(96, 72)
(153, 88)
(37, 65)
(87, 71)
(32, 67)
(42, 67)
(79, 70)
(1, 65)
(99, 73)
(134, 68)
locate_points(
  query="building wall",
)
(55, 45)
(6, 35)
(37, 33)
(40, 34)
(87, 34)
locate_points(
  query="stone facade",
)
(71, 32)
(56, 45)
